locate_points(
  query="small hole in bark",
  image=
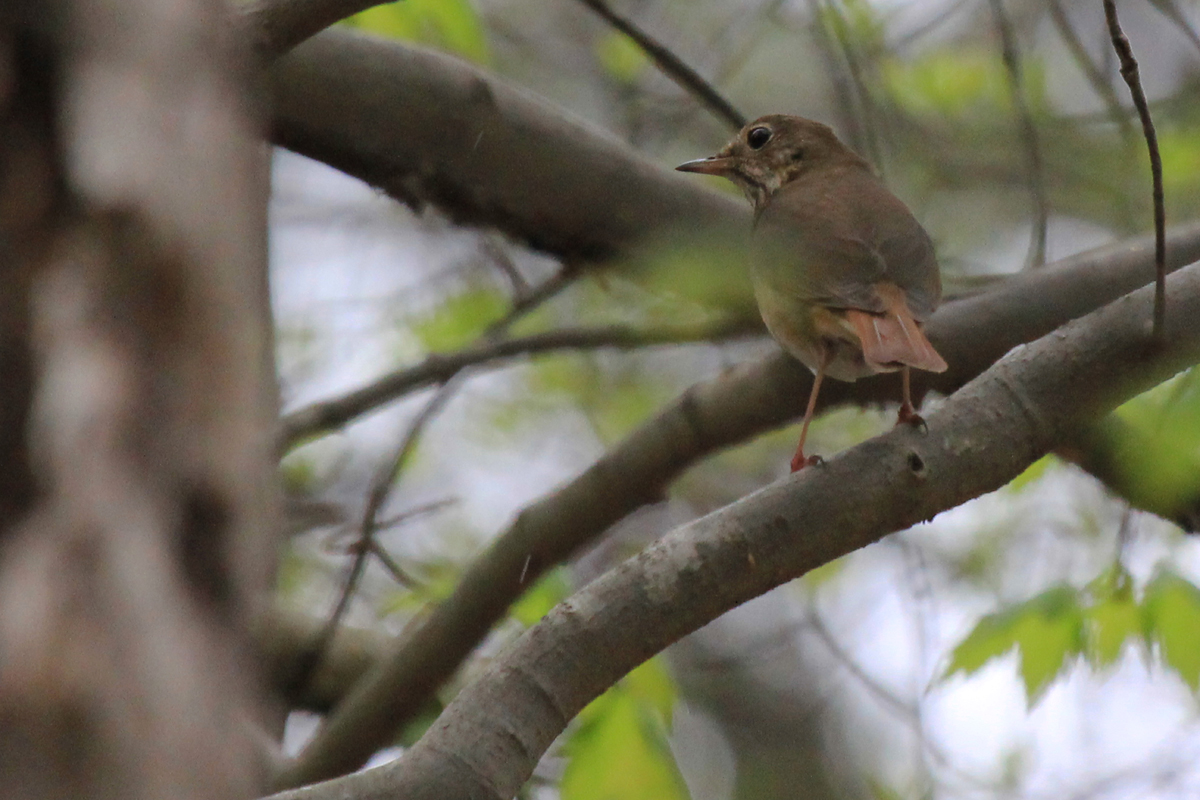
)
(915, 462)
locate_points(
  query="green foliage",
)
(967, 84)
(438, 579)
(460, 318)
(854, 22)
(545, 595)
(705, 271)
(452, 25)
(1033, 473)
(1164, 465)
(1046, 631)
(619, 749)
(1111, 619)
(1098, 623)
(621, 57)
(299, 473)
(1171, 616)
(615, 396)
(294, 572)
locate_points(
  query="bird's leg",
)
(908, 415)
(799, 461)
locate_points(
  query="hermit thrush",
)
(843, 273)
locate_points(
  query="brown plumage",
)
(844, 275)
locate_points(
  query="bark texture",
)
(137, 501)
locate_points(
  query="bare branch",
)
(330, 414)
(672, 66)
(284, 639)
(1083, 60)
(489, 739)
(428, 128)
(1170, 9)
(535, 297)
(1035, 170)
(1129, 71)
(381, 489)
(862, 90)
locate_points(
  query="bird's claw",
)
(800, 461)
(908, 416)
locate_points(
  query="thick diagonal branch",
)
(487, 742)
(747, 400)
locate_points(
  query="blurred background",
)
(1040, 642)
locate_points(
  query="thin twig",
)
(672, 66)
(528, 301)
(909, 712)
(398, 573)
(1099, 83)
(330, 414)
(866, 105)
(495, 252)
(843, 94)
(930, 26)
(416, 511)
(1170, 10)
(381, 487)
(1029, 135)
(1129, 71)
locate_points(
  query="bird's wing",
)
(912, 265)
(832, 247)
(812, 261)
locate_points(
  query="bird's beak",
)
(713, 165)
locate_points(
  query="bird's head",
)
(773, 151)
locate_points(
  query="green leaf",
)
(450, 25)
(299, 473)
(1171, 615)
(460, 318)
(619, 749)
(621, 57)
(1032, 473)
(545, 595)
(1112, 618)
(962, 83)
(1046, 630)
(1166, 460)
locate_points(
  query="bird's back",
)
(829, 236)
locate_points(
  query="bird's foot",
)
(909, 416)
(800, 461)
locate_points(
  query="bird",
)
(844, 275)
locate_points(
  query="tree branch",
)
(1083, 60)
(672, 66)
(487, 742)
(740, 403)
(1129, 71)
(330, 414)
(1035, 171)
(428, 128)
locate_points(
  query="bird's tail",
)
(894, 338)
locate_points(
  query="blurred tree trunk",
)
(136, 402)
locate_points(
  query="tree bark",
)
(137, 503)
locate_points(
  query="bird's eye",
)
(757, 137)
